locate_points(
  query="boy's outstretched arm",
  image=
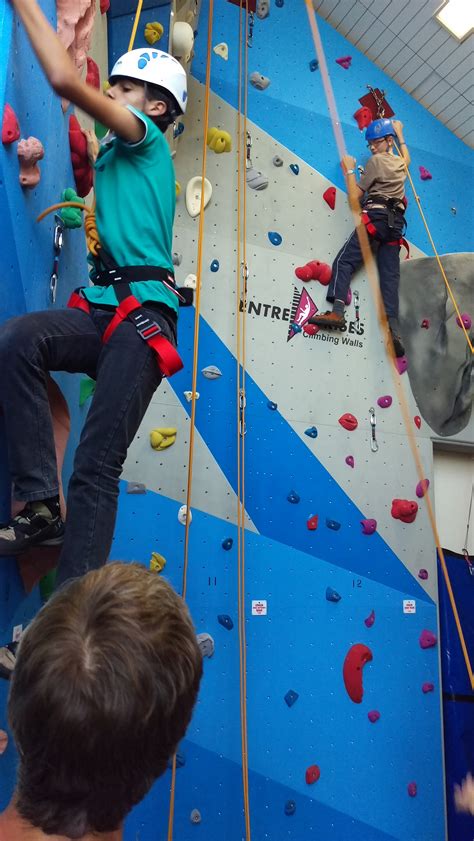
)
(398, 126)
(63, 78)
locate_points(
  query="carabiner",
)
(373, 423)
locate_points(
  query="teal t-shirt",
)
(136, 195)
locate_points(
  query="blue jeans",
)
(349, 259)
(127, 376)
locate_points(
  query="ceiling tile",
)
(426, 51)
(468, 138)
(394, 10)
(391, 52)
(363, 25)
(373, 47)
(461, 121)
(351, 18)
(455, 107)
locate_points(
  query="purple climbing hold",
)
(333, 524)
(332, 595)
(412, 788)
(422, 487)
(350, 461)
(373, 716)
(293, 497)
(368, 526)
(291, 697)
(295, 168)
(427, 687)
(401, 364)
(215, 266)
(290, 807)
(225, 621)
(313, 65)
(385, 401)
(227, 543)
(370, 619)
(275, 238)
(428, 639)
(423, 574)
(311, 432)
(271, 405)
(465, 319)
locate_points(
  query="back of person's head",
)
(103, 690)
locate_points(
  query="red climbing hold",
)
(10, 127)
(404, 510)
(315, 270)
(356, 658)
(412, 789)
(425, 174)
(427, 687)
(422, 488)
(348, 421)
(370, 619)
(425, 324)
(345, 61)
(312, 774)
(80, 162)
(93, 73)
(312, 523)
(363, 116)
(104, 6)
(310, 329)
(428, 639)
(417, 420)
(368, 526)
(329, 197)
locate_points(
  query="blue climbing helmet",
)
(380, 128)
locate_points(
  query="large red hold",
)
(349, 422)
(329, 197)
(10, 127)
(363, 116)
(356, 658)
(80, 162)
(404, 510)
(93, 73)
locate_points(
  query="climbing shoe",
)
(328, 319)
(397, 344)
(37, 524)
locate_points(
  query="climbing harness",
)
(373, 424)
(58, 237)
(392, 206)
(372, 275)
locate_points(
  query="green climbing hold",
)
(71, 216)
(87, 385)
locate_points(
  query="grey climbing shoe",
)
(35, 525)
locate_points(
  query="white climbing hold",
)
(206, 644)
(222, 49)
(256, 180)
(177, 258)
(263, 9)
(182, 40)
(193, 195)
(189, 395)
(182, 515)
(195, 816)
(190, 282)
(258, 81)
(212, 372)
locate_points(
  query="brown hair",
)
(103, 690)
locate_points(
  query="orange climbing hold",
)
(329, 197)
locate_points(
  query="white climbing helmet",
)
(156, 68)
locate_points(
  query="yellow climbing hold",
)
(178, 188)
(105, 86)
(157, 562)
(219, 140)
(153, 32)
(222, 49)
(162, 438)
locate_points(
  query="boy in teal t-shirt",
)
(135, 195)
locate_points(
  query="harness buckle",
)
(145, 327)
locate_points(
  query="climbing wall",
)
(323, 596)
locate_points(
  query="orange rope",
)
(135, 25)
(195, 365)
(372, 275)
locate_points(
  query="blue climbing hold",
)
(215, 266)
(274, 238)
(311, 432)
(293, 497)
(227, 543)
(313, 65)
(332, 595)
(296, 328)
(179, 128)
(279, 3)
(333, 524)
(180, 761)
(225, 621)
(295, 168)
(291, 697)
(273, 406)
(290, 807)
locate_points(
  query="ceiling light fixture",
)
(457, 16)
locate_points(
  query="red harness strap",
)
(169, 360)
(372, 231)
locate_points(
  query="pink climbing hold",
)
(425, 324)
(329, 197)
(356, 658)
(423, 574)
(425, 174)
(30, 151)
(312, 523)
(350, 461)
(363, 116)
(422, 487)
(370, 619)
(404, 510)
(401, 364)
(349, 297)
(373, 716)
(312, 774)
(310, 329)
(427, 687)
(385, 401)
(10, 127)
(344, 62)
(428, 639)
(368, 526)
(93, 73)
(417, 421)
(465, 320)
(412, 789)
(348, 421)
